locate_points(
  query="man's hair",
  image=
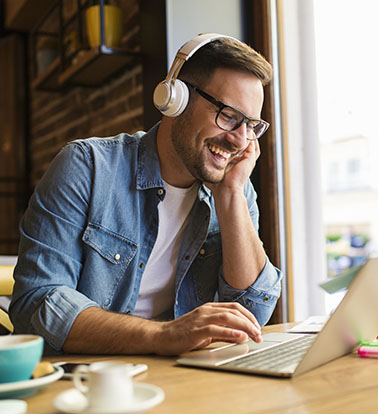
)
(225, 53)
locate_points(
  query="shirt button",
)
(141, 265)
(117, 256)
(202, 252)
(160, 192)
(176, 302)
(266, 298)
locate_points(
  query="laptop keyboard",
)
(280, 358)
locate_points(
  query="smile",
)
(219, 151)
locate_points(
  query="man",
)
(148, 243)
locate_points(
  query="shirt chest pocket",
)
(114, 248)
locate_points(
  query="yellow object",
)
(42, 369)
(6, 289)
(113, 25)
(5, 321)
(6, 280)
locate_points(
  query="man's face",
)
(204, 150)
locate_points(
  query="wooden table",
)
(348, 385)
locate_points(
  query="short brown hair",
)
(225, 53)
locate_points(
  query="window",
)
(347, 64)
(329, 89)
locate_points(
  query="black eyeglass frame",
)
(220, 105)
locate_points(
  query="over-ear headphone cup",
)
(162, 95)
(171, 98)
(181, 99)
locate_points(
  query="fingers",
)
(253, 148)
(257, 148)
(211, 322)
(235, 306)
(233, 316)
(215, 333)
(249, 156)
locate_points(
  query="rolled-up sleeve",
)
(261, 297)
(54, 317)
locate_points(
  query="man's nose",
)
(238, 137)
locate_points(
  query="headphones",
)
(171, 96)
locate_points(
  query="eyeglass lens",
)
(230, 119)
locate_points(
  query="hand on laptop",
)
(211, 322)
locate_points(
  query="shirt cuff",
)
(261, 297)
(54, 318)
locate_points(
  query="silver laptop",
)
(288, 354)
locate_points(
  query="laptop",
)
(288, 354)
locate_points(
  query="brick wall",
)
(78, 112)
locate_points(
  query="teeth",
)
(217, 150)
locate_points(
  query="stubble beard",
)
(181, 137)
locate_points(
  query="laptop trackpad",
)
(219, 355)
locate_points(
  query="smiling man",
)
(148, 243)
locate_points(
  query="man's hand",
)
(240, 168)
(212, 322)
(97, 331)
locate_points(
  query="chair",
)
(6, 288)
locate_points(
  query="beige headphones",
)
(171, 96)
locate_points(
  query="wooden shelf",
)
(48, 80)
(23, 14)
(84, 67)
(92, 67)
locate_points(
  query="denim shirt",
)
(89, 230)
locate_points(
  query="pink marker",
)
(368, 351)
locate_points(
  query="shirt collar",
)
(148, 174)
(204, 192)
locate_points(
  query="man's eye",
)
(226, 116)
(229, 116)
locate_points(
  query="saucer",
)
(21, 389)
(145, 397)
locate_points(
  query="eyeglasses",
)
(230, 119)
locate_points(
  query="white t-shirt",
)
(157, 289)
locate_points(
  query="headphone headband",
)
(171, 96)
(191, 46)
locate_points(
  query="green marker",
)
(366, 343)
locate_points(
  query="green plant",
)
(333, 237)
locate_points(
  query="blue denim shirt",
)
(89, 230)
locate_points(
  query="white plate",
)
(146, 396)
(25, 388)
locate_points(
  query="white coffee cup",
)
(108, 385)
